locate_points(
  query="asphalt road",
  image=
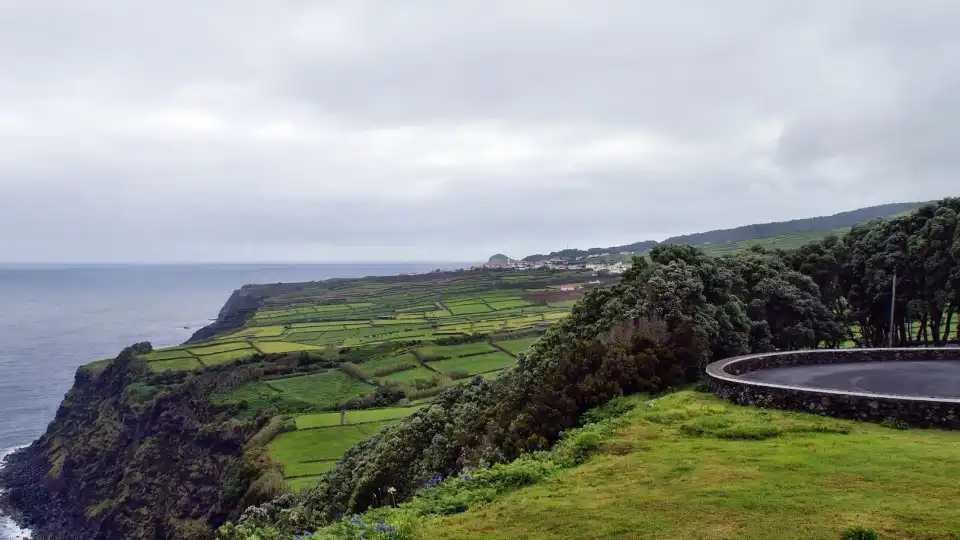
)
(921, 379)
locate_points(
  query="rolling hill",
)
(778, 234)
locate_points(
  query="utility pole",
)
(893, 299)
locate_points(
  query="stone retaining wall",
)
(923, 412)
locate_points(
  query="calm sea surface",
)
(53, 319)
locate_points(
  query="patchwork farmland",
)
(375, 349)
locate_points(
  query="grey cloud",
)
(446, 130)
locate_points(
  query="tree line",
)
(855, 276)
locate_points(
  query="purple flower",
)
(432, 482)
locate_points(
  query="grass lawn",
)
(517, 346)
(475, 364)
(692, 466)
(283, 346)
(306, 421)
(453, 351)
(325, 389)
(176, 364)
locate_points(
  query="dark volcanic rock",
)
(125, 458)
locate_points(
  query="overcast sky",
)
(234, 130)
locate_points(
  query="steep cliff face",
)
(131, 455)
(244, 302)
(239, 307)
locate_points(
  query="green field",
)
(474, 365)
(176, 364)
(254, 396)
(362, 312)
(307, 453)
(409, 375)
(516, 346)
(168, 354)
(453, 351)
(370, 368)
(313, 444)
(325, 390)
(689, 465)
(467, 309)
(307, 421)
(282, 347)
(376, 325)
(783, 241)
(220, 348)
(507, 304)
(260, 332)
(228, 356)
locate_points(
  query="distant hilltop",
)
(499, 260)
(778, 234)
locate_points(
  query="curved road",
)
(940, 379)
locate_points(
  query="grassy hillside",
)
(348, 314)
(784, 241)
(689, 465)
(777, 228)
(789, 234)
(368, 344)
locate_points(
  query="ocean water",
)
(54, 319)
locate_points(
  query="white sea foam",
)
(8, 529)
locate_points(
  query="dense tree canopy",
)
(855, 276)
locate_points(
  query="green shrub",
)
(616, 407)
(894, 423)
(580, 446)
(703, 385)
(748, 432)
(352, 370)
(384, 371)
(859, 533)
(271, 429)
(475, 486)
(705, 425)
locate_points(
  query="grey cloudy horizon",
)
(434, 130)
